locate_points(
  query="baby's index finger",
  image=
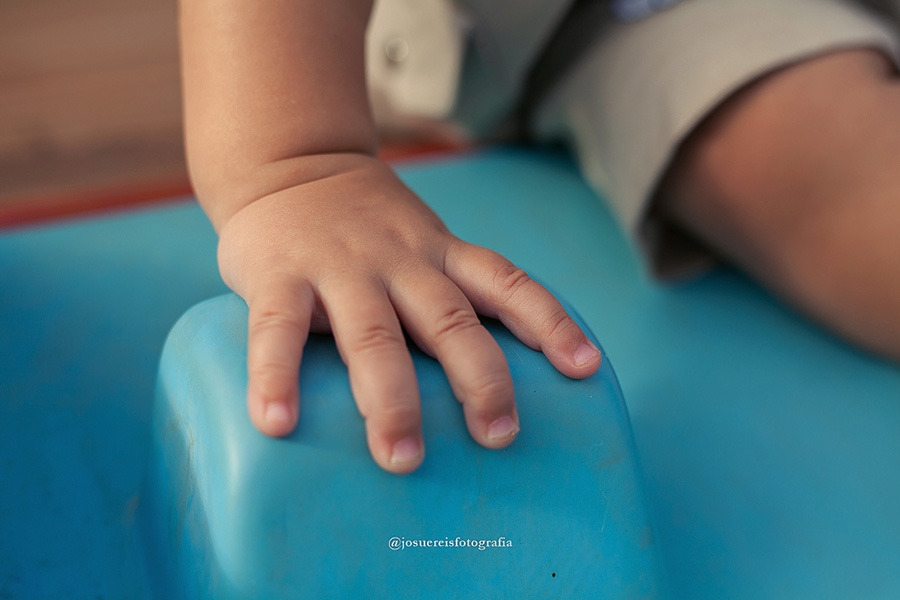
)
(499, 289)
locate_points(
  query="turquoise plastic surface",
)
(769, 450)
(233, 514)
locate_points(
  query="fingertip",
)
(279, 420)
(586, 358)
(585, 353)
(275, 417)
(502, 431)
(492, 432)
(578, 359)
(406, 456)
(400, 458)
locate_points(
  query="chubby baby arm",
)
(316, 234)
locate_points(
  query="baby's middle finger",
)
(441, 320)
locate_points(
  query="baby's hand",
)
(355, 252)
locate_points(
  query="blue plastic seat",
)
(768, 448)
(231, 513)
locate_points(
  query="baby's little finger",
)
(278, 326)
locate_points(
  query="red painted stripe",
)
(42, 209)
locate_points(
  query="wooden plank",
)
(89, 98)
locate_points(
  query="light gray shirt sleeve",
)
(644, 86)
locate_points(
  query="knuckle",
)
(272, 379)
(267, 319)
(509, 280)
(394, 415)
(452, 322)
(267, 370)
(490, 389)
(557, 324)
(374, 337)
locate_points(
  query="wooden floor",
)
(90, 108)
(89, 102)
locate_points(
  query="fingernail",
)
(502, 428)
(278, 414)
(406, 451)
(586, 353)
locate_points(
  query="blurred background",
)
(90, 110)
